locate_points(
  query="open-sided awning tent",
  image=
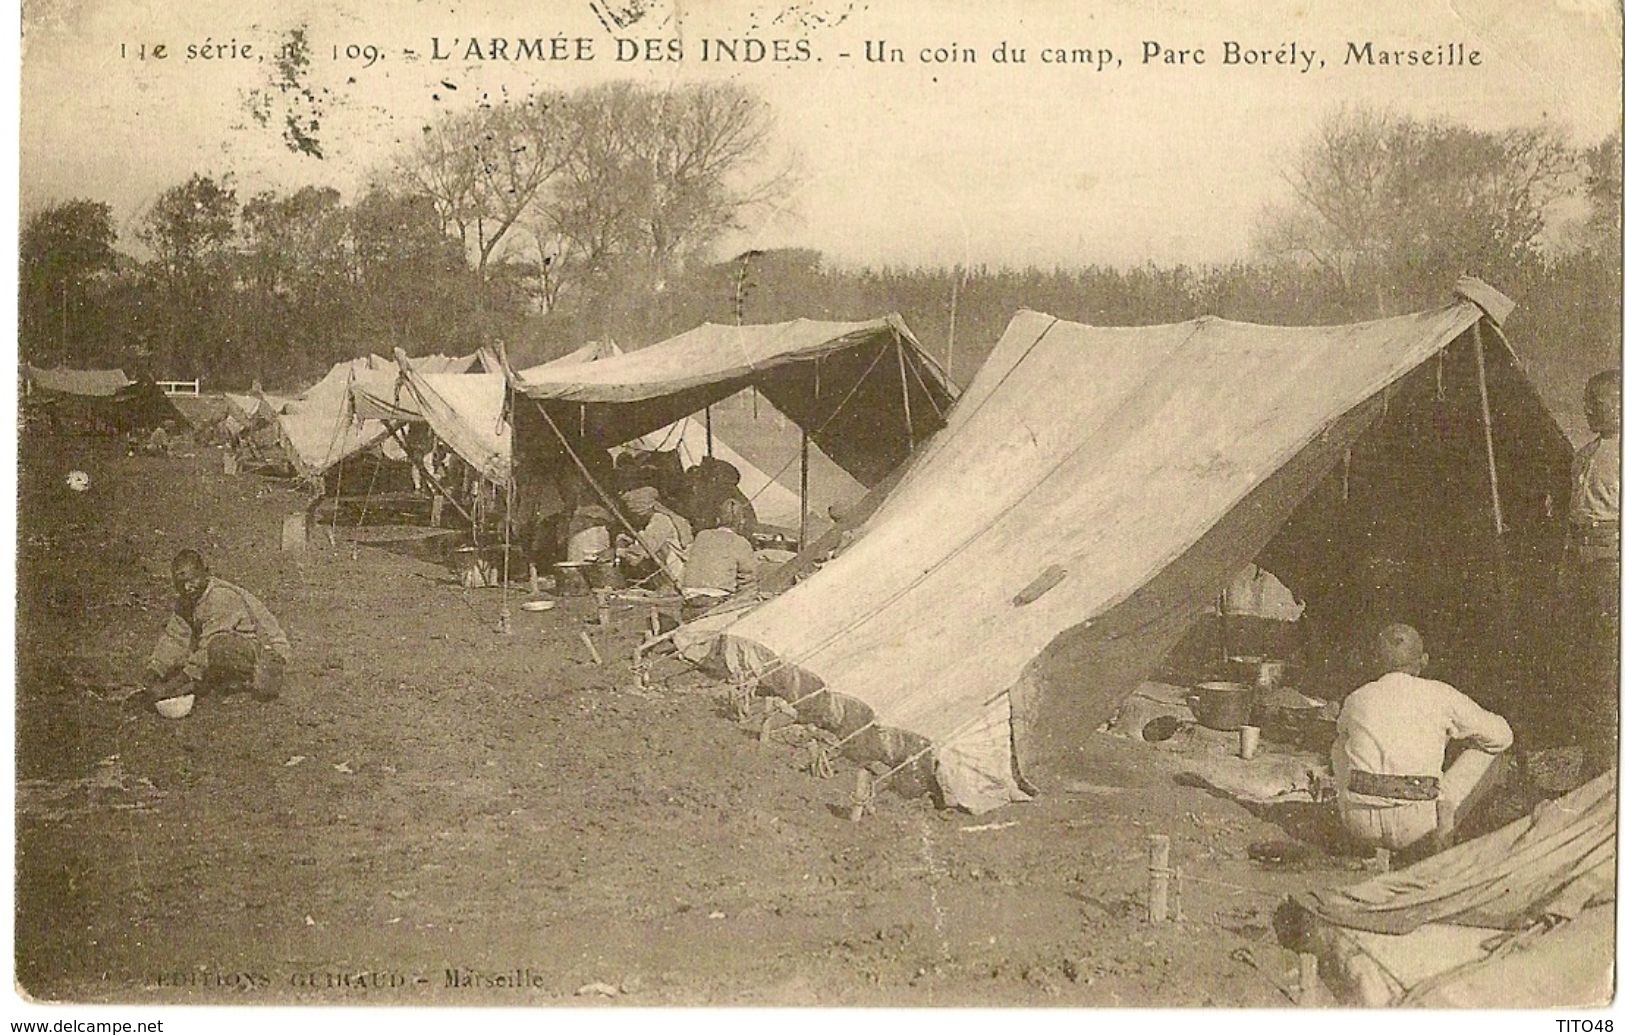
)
(1519, 918)
(468, 413)
(866, 393)
(1093, 490)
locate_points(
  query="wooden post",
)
(1157, 894)
(862, 795)
(597, 659)
(1495, 480)
(902, 375)
(708, 439)
(805, 506)
(1489, 436)
(1308, 979)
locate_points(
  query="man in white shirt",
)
(1388, 759)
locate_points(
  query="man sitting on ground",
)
(220, 639)
(1388, 759)
(710, 484)
(721, 563)
(663, 535)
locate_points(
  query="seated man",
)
(220, 639)
(663, 535)
(710, 484)
(721, 562)
(1388, 759)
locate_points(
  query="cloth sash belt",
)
(1405, 788)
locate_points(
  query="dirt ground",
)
(438, 813)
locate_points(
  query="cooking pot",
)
(1222, 705)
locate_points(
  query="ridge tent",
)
(468, 411)
(774, 503)
(865, 392)
(1519, 918)
(1121, 477)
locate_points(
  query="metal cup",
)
(1249, 742)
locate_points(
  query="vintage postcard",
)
(833, 503)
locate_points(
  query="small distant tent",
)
(105, 398)
(774, 503)
(1096, 487)
(66, 381)
(1519, 918)
(866, 393)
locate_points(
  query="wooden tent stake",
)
(1157, 891)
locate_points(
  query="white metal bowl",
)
(176, 707)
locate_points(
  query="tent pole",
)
(804, 505)
(902, 375)
(602, 495)
(1489, 434)
(1495, 481)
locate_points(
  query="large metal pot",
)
(1222, 705)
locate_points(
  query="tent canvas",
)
(774, 503)
(325, 424)
(1521, 917)
(67, 381)
(1121, 477)
(866, 392)
(468, 413)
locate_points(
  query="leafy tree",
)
(192, 226)
(66, 250)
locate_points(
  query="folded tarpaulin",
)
(66, 381)
(1554, 862)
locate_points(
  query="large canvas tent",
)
(1094, 489)
(866, 393)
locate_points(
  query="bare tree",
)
(658, 176)
(485, 167)
(1386, 203)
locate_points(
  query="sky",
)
(908, 162)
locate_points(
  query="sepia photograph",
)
(600, 506)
